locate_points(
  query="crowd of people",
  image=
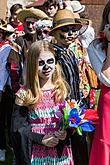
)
(49, 54)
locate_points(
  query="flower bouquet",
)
(77, 117)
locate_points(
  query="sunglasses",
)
(67, 29)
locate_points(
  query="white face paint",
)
(46, 65)
(66, 35)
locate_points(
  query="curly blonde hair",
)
(32, 78)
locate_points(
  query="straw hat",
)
(6, 27)
(65, 17)
(31, 13)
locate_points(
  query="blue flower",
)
(74, 118)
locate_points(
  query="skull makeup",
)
(66, 35)
(46, 65)
(43, 28)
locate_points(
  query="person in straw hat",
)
(29, 17)
(86, 37)
(66, 27)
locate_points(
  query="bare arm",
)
(106, 65)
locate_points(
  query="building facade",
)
(94, 9)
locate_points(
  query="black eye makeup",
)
(41, 62)
(48, 61)
(29, 22)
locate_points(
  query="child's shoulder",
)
(21, 96)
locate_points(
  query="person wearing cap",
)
(65, 29)
(6, 88)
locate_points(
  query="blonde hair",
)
(32, 78)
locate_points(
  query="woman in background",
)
(99, 54)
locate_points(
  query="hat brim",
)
(31, 13)
(65, 24)
(83, 21)
(81, 10)
(7, 30)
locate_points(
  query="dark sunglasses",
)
(67, 29)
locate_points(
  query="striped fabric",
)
(69, 65)
(44, 119)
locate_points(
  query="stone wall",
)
(95, 9)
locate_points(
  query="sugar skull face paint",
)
(66, 35)
(46, 65)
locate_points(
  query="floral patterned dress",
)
(46, 118)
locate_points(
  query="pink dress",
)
(100, 153)
(46, 118)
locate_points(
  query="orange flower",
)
(71, 104)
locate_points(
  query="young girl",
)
(44, 90)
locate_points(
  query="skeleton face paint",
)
(46, 65)
(66, 35)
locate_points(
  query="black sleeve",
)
(22, 136)
(19, 117)
(20, 123)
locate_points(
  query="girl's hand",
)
(50, 140)
(61, 134)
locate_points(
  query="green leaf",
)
(79, 131)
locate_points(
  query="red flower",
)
(91, 115)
